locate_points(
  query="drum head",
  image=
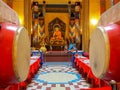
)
(99, 52)
(21, 54)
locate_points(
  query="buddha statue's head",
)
(56, 28)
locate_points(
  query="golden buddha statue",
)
(57, 34)
(57, 37)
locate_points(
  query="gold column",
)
(85, 25)
(28, 16)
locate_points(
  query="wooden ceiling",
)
(57, 1)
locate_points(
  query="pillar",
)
(85, 25)
(28, 16)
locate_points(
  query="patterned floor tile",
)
(57, 77)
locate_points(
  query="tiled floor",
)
(57, 77)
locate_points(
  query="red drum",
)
(105, 52)
(14, 54)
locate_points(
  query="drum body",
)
(105, 52)
(14, 54)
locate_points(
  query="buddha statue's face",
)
(56, 29)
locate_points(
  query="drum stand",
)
(113, 84)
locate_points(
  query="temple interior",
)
(59, 44)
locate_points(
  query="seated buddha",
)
(57, 37)
(57, 34)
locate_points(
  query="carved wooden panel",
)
(57, 30)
